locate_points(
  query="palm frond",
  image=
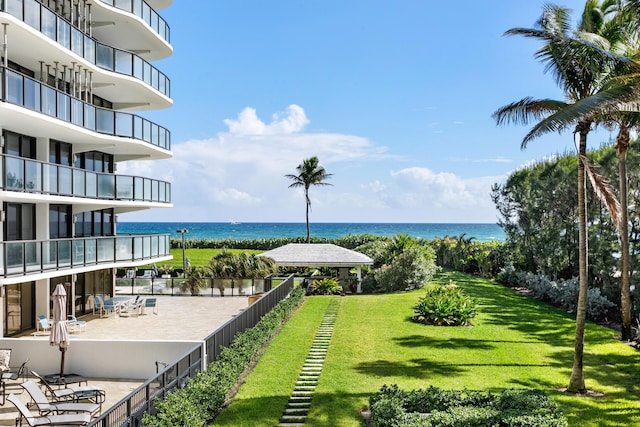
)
(583, 110)
(521, 112)
(604, 191)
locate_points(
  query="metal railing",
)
(34, 176)
(38, 256)
(130, 410)
(142, 10)
(22, 90)
(60, 30)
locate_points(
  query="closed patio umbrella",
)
(59, 331)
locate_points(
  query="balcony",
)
(27, 92)
(33, 176)
(142, 10)
(24, 257)
(60, 30)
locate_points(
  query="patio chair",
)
(76, 325)
(109, 306)
(73, 394)
(49, 420)
(151, 303)
(13, 374)
(43, 327)
(132, 308)
(48, 407)
(5, 358)
(97, 304)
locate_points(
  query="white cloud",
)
(240, 174)
(291, 121)
(443, 190)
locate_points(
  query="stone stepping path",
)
(295, 414)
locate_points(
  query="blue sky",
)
(394, 98)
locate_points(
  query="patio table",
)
(55, 379)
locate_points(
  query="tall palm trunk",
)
(576, 381)
(625, 292)
(306, 195)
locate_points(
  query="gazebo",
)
(320, 255)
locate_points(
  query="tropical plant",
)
(445, 306)
(579, 61)
(326, 286)
(233, 266)
(195, 279)
(309, 173)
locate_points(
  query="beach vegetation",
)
(400, 263)
(310, 173)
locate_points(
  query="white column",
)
(359, 274)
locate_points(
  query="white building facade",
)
(77, 76)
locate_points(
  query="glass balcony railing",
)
(39, 256)
(33, 176)
(22, 90)
(57, 28)
(142, 10)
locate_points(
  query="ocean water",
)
(267, 230)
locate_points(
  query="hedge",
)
(205, 395)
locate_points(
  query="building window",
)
(20, 222)
(95, 161)
(19, 308)
(95, 223)
(60, 153)
(19, 145)
(59, 221)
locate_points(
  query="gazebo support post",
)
(359, 288)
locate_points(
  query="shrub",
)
(399, 264)
(436, 407)
(561, 293)
(445, 306)
(328, 286)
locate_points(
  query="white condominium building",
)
(76, 75)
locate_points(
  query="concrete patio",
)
(178, 319)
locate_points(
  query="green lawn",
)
(199, 256)
(515, 342)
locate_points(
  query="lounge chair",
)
(43, 327)
(49, 420)
(73, 394)
(48, 407)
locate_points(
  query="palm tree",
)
(309, 173)
(618, 23)
(578, 60)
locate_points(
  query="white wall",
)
(97, 358)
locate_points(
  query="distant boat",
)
(234, 222)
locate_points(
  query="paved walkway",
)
(203, 315)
